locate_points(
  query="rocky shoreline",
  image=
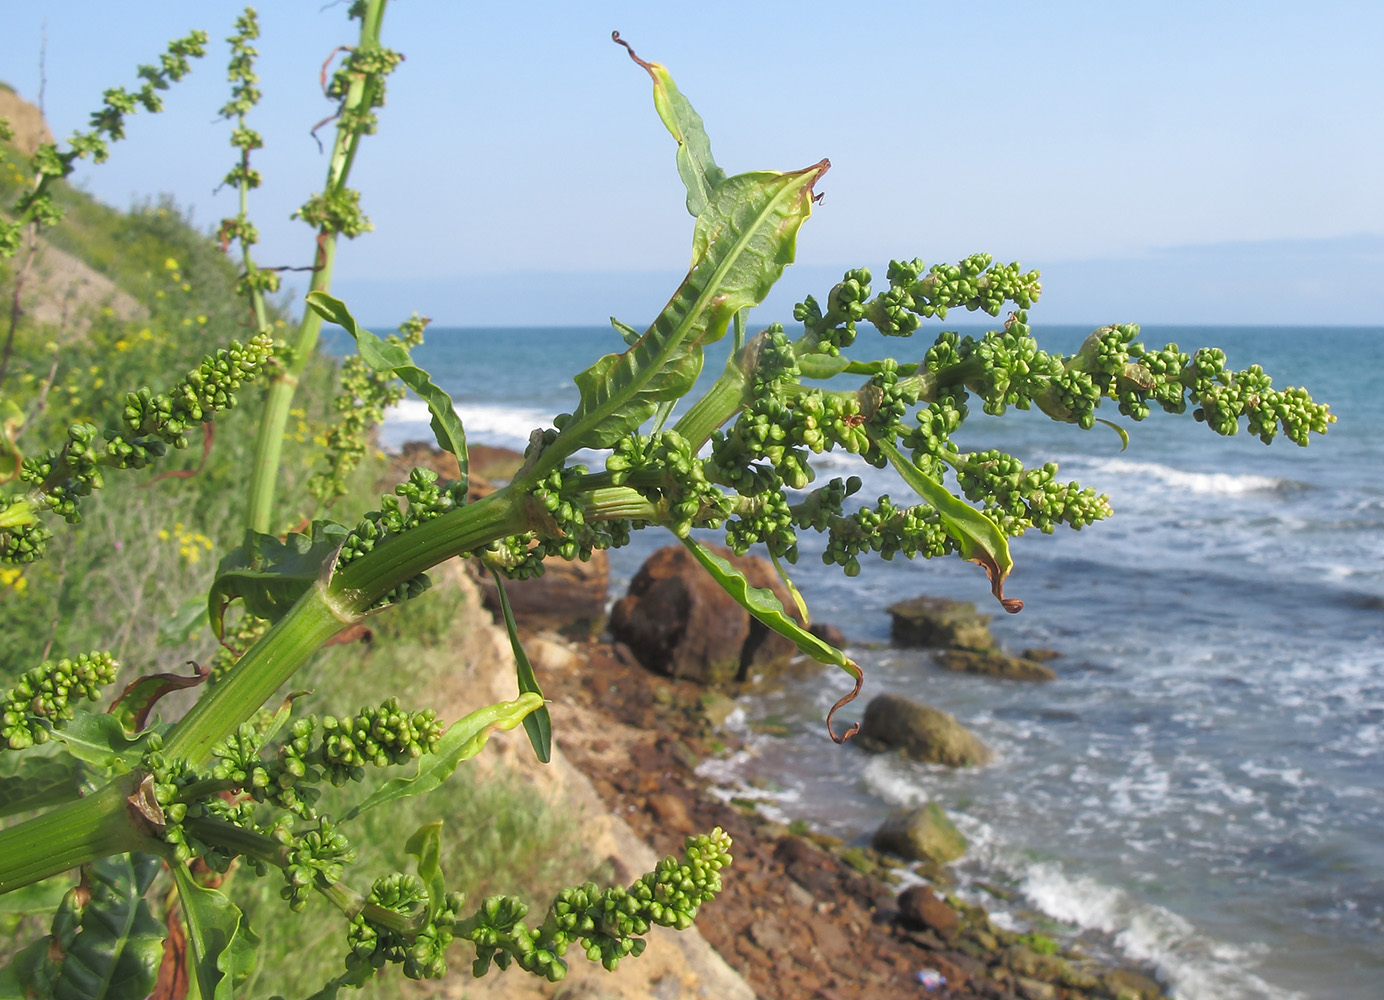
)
(803, 914)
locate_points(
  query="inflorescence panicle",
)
(150, 423)
(45, 698)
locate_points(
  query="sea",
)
(1202, 788)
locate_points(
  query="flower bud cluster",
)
(665, 469)
(150, 423)
(423, 954)
(608, 924)
(43, 699)
(888, 530)
(1018, 499)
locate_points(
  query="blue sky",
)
(1160, 162)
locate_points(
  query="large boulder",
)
(679, 622)
(937, 622)
(920, 835)
(569, 598)
(892, 722)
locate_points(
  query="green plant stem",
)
(727, 395)
(73, 834)
(314, 619)
(279, 399)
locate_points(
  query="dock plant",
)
(126, 801)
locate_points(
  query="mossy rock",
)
(920, 834)
(939, 623)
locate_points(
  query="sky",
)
(1159, 162)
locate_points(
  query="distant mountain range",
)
(1331, 282)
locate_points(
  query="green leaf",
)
(462, 741)
(22, 978)
(538, 725)
(744, 240)
(135, 703)
(38, 897)
(386, 357)
(1124, 434)
(219, 938)
(627, 333)
(100, 739)
(696, 166)
(38, 782)
(183, 625)
(118, 951)
(978, 537)
(270, 575)
(768, 609)
(426, 846)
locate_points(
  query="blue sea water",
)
(1203, 786)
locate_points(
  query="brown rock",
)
(671, 812)
(1126, 984)
(829, 634)
(993, 663)
(1033, 989)
(1041, 654)
(919, 907)
(893, 722)
(569, 598)
(679, 622)
(941, 623)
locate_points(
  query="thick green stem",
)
(71, 835)
(279, 399)
(100, 824)
(271, 661)
(727, 395)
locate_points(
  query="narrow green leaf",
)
(220, 940)
(462, 741)
(627, 333)
(538, 725)
(743, 241)
(978, 537)
(383, 356)
(696, 166)
(823, 365)
(792, 589)
(119, 948)
(40, 781)
(270, 575)
(100, 739)
(1124, 434)
(767, 608)
(426, 846)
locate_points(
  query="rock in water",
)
(993, 663)
(940, 623)
(921, 835)
(924, 733)
(679, 622)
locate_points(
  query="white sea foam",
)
(1213, 483)
(507, 426)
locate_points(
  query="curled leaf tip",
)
(1012, 604)
(615, 37)
(846, 700)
